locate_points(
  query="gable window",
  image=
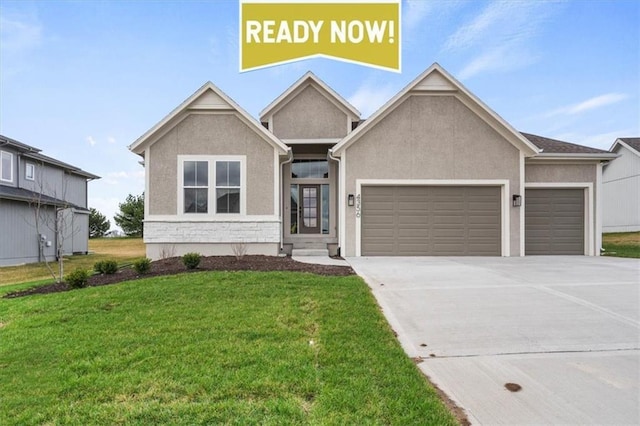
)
(6, 166)
(211, 184)
(30, 172)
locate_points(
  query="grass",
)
(209, 348)
(123, 250)
(622, 244)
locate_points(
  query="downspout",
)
(281, 192)
(340, 198)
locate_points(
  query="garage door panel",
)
(554, 221)
(431, 220)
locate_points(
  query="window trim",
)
(10, 154)
(33, 171)
(212, 184)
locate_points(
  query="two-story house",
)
(43, 205)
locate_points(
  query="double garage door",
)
(430, 221)
(465, 221)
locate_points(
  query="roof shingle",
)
(554, 146)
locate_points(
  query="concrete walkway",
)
(320, 260)
(564, 328)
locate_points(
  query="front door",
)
(310, 209)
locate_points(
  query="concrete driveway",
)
(564, 328)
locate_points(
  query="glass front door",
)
(309, 206)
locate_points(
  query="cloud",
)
(500, 34)
(111, 139)
(502, 59)
(115, 178)
(589, 104)
(19, 33)
(414, 11)
(91, 141)
(369, 97)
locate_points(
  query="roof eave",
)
(574, 156)
(620, 142)
(140, 144)
(523, 143)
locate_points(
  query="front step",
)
(310, 252)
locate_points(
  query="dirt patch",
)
(174, 265)
(513, 387)
(624, 238)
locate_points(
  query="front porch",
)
(310, 201)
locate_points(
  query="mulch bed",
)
(174, 265)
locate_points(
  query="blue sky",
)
(83, 80)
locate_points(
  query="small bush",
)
(78, 278)
(142, 266)
(106, 267)
(191, 260)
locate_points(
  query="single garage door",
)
(430, 221)
(554, 221)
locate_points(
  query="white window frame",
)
(212, 185)
(2, 154)
(31, 166)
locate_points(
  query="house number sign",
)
(358, 205)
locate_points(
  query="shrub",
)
(106, 267)
(191, 260)
(142, 266)
(78, 278)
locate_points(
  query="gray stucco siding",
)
(434, 138)
(561, 172)
(211, 134)
(309, 116)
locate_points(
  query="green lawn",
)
(621, 244)
(207, 348)
(122, 250)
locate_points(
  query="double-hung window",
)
(211, 184)
(196, 186)
(6, 166)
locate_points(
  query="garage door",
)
(430, 221)
(554, 221)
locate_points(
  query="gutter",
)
(281, 192)
(341, 206)
(573, 156)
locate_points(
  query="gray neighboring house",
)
(433, 172)
(29, 178)
(621, 188)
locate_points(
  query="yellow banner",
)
(277, 32)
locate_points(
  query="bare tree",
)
(51, 211)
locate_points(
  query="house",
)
(433, 172)
(621, 188)
(43, 204)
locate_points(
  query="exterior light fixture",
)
(517, 200)
(351, 200)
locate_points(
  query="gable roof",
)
(35, 154)
(632, 144)
(307, 79)
(207, 98)
(436, 79)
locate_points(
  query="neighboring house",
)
(29, 179)
(433, 172)
(621, 188)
